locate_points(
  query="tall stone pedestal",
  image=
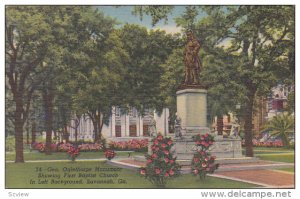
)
(192, 110)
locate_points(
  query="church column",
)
(113, 123)
(123, 125)
(166, 120)
(138, 133)
(127, 125)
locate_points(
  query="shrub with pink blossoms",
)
(161, 165)
(203, 162)
(73, 153)
(130, 145)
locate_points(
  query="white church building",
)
(123, 126)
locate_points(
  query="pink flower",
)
(206, 135)
(207, 169)
(166, 160)
(206, 159)
(204, 165)
(159, 137)
(149, 161)
(196, 159)
(157, 171)
(171, 172)
(171, 161)
(156, 149)
(170, 142)
(166, 152)
(143, 171)
(155, 142)
(163, 145)
(213, 157)
(153, 147)
(196, 171)
(154, 155)
(167, 174)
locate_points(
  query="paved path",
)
(266, 178)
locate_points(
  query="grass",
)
(291, 170)
(289, 157)
(262, 150)
(63, 156)
(19, 176)
(277, 154)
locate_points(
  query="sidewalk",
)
(265, 178)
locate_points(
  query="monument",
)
(192, 111)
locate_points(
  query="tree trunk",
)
(95, 124)
(27, 134)
(99, 127)
(19, 135)
(33, 133)
(66, 134)
(248, 125)
(220, 124)
(48, 104)
(76, 134)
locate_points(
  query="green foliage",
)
(10, 144)
(147, 52)
(282, 126)
(291, 102)
(203, 162)
(156, 12)
(161, 164)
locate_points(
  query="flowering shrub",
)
(257, 143)
(41, 146)
(161, 166)
(203, 162)
(90, 147)
(109, 154)
(64, 147)
(38, 146)
(73, 153)
(134, 145)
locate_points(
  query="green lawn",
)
(289, 157)
(277, 154)
(63, 156)
(291, 170)
(262, 150)
(19, 175)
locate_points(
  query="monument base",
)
(223, 148)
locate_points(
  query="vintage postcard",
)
(151, 97)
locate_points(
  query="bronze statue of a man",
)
(191, 60)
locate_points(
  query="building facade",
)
(123, 126)
(265, 109)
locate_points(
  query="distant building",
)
(123, 126)
(277, 101)
(265, 109)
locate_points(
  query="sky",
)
(123, 14)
